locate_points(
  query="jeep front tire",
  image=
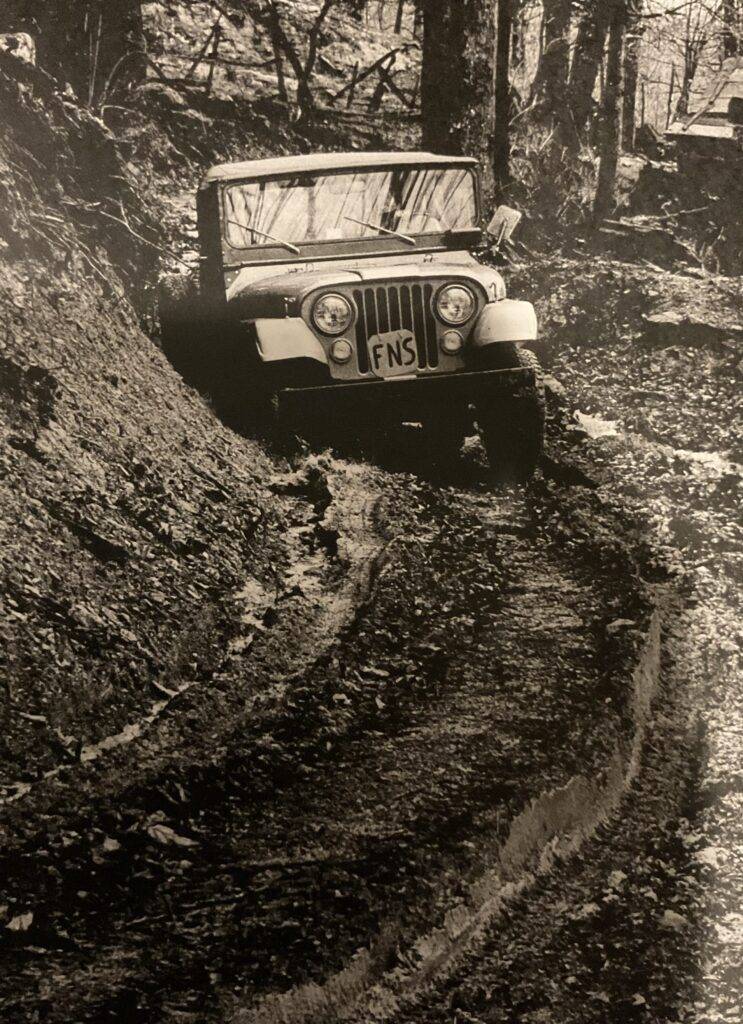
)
(178, 315)
(512, 424)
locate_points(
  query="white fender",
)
(508, 320)
(289, 338)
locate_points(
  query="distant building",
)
(714, 128)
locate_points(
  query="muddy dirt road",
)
(396, 720)
(469, 756)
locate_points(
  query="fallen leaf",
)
(586, 911)
(618, 624)
(21, 923)
(711, 855)
(375, 673)
(165, 835)
(671, 919)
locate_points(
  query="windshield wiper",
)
(386, 231)
(264, 234)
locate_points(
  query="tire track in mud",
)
(640, 923)
(331, 551)
(381, 982)
(367, 789)
(524, 610)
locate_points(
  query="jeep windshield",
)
(397, 203)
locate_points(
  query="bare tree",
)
(268, 14)
(699, 24)
(631, 79)
(300, 56)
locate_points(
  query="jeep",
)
(340, 291)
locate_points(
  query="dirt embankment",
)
(131, 520)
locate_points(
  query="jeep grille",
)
(397, 307)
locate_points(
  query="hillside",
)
(243, 63)
(130, 517)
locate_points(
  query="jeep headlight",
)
(332, 314)
(455, 304)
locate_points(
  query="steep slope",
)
(128, 514)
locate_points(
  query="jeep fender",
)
(507, 320)
(288, 338)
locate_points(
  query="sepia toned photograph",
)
(371, 545)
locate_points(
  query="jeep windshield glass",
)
(401, 202)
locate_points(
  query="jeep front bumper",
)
(412, 391)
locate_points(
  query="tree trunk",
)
(611, 113)
(399, 17)
(502, 134)
(551, 81)
(457, 83)
(556, 47)
(631, 82)
(695, 41)
(584, 72)
(731, 28)
(94, 45)
(689, 73)
(671, 87)
(435, 73)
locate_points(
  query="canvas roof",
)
(318, 162)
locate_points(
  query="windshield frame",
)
(373, 245)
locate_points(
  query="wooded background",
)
(483, 75)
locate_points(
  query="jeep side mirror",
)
(502, 226)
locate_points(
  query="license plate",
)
(393, 354)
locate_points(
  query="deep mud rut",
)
(398, 719)
(643, 923)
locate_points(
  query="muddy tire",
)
(211, 358)
(179, 324)
(512, 426)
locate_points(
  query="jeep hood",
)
(279, 290)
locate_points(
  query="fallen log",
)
(671, 327)
(634, 240)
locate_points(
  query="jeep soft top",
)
(284, 166)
